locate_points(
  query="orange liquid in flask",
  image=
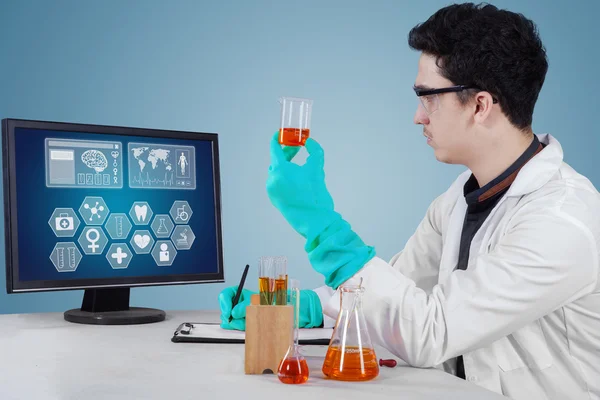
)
(293, 136)
(355, 365)
(293, 370)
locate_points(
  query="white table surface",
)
(42, 356)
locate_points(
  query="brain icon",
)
(95, 159)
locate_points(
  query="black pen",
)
(236, 299)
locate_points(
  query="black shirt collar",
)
(474, 194)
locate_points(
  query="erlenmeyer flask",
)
(350, 356)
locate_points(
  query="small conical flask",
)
(293, 368)
(350, 356)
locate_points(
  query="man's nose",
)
(421, 117)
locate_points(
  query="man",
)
(499, 283)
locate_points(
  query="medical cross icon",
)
(119, 255)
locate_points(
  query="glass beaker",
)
(350, 356)
(295, 121)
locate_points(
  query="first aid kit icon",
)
(64, 222)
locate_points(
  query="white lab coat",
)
(525, 314)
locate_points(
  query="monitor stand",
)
(110, 306)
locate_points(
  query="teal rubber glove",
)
(238, 313)
(310, 315)
(300, 194)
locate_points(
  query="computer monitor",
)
(107, 208)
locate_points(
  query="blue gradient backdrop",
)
(220, 67)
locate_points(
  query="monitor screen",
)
(91, 206)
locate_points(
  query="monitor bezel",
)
(13, 285)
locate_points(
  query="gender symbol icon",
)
(93, 240)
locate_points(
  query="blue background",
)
(36, 203)
(221, 66)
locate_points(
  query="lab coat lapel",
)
(452, 240)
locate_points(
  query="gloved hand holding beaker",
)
(311, 313)
(301, 196)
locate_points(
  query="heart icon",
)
(141, 212)
(115, 154)
(141, 241)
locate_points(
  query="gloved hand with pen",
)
(311, 313)
(301, 196)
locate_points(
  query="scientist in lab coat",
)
(499, 282)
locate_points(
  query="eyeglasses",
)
(430, 100)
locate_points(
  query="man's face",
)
(445, 121)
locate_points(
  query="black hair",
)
(495, 50)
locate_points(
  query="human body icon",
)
(183, 162)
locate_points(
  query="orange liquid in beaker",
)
(266, 287)
(293, 370)
(293, 136)
(352, 367)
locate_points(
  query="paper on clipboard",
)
(190, 331)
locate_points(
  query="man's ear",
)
(483, 102)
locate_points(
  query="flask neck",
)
(351, 298)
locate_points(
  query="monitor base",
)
(110, 306)
(135, 315)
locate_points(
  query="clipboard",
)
(199, 332)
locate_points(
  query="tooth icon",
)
(141, 212)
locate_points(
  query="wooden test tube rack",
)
(269, 333)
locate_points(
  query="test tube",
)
(281, 281)
(295, 302)
(266, 280)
